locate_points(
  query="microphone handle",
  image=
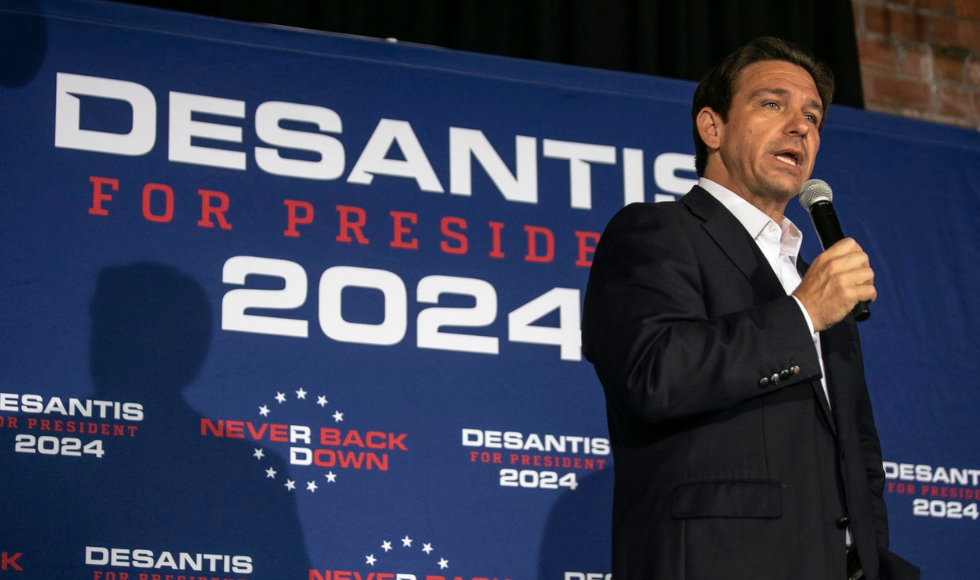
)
(828, 230)
(861, 312)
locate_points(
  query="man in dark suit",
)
(742, 430)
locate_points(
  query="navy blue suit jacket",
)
(729, 461)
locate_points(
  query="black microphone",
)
(816, 198)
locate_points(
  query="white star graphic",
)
(443, 564)
(311, 485)
(321, 400)
(338, 417)
(290, 484)
(371, 560)
(259, 454)
(386, 546)
(301, 394)
(331, 477)
(426, 548)
(264, 410)
(270, 473)
(281, 397)
(406, 542)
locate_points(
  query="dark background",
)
(669, 38)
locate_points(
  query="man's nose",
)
(797, 124)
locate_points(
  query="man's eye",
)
(771, 105)
(811, 118)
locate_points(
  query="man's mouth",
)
(789, 158)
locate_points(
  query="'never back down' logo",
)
(312, 436)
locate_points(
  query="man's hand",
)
(837, 280)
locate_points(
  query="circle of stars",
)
(259, 454)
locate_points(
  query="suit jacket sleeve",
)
(663, 342)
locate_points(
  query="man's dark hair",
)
(717, 88)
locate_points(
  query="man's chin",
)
(784, 190)
(787, 183)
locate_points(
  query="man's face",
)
(769, 143)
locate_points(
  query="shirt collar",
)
(754, 220)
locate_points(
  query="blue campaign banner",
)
(289, 305)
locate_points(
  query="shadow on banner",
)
(578, 535)
(166, 488)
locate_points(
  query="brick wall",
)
(921, 58)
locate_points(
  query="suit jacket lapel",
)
(731, 237)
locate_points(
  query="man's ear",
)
(710, 127)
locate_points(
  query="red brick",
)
(894, 92)
(968, 9)
(956, 102)
(915, 58)
(961, 33)
(935, 5)
(874, 19)
(901, 23)
(949, 65)
(876, 55)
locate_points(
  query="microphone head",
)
(813, 191)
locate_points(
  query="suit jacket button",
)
(795, 370)
(764, 382)
(784, 374)
(774, 379)
(842, 523)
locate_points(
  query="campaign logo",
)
(936, 491)
(67, 427)
(534, 461)
(312, 435)
(406, 558)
